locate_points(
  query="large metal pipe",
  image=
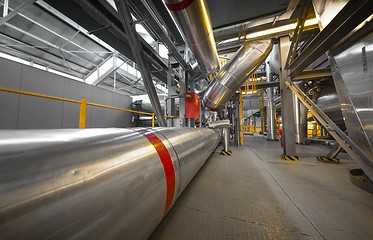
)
(235, 73)
(95, 183)
(327, 99)
(193, 19)
(300, 119)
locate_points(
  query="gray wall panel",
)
(25, 112)
(10, 74)
(9, 110)
(35, 80)
(10, 78)
(39, 113)
(75, 90)
(119, 118)
(101, 116)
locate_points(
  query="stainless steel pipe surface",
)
(220, 124)
(95, 183)
(271, 109)
(193, 19)
(235, 73)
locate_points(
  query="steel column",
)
(287, 110)
(134, 41)
(351, 15)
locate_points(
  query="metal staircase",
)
(342, 139)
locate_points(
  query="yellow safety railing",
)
(83, 105)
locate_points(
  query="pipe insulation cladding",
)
(193, 19)
(235, 73)
(95, 183)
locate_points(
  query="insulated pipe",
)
(235, 73)
(271, 110)
(193, 19)
(220, 124)
(95, 183)
(300, 118)
(226, 137)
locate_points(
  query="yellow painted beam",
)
(83, 113)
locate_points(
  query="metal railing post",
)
(83, 113)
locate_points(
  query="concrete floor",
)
(254, 194)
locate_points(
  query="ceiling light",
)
(280, 29)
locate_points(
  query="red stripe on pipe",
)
(168, 168)
(212, 109)
(179, 6)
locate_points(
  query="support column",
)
(236, 124)
(170, 100)
(287, 110)
(182, 83)
(271, 110)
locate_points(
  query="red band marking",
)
(168, 168)
(212, 109)
(179, 6)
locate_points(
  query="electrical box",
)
(192, 105)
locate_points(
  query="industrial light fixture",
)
(280, 29)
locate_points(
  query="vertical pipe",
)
(226, 139)
(300, 118)
(82, 113)
(262, 115)
(153, 120)
(271, 111)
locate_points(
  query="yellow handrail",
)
(38, 95)
(83, 105)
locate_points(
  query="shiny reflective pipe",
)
(271, 110)
(193, 19)
(235, 73)
(95, 183)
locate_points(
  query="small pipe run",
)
(225, 125)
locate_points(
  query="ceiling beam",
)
(351, 15)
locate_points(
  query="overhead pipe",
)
(95, 183)
(235, 72)
(237, 29)
(193, 19)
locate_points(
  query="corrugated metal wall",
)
(27, 112)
